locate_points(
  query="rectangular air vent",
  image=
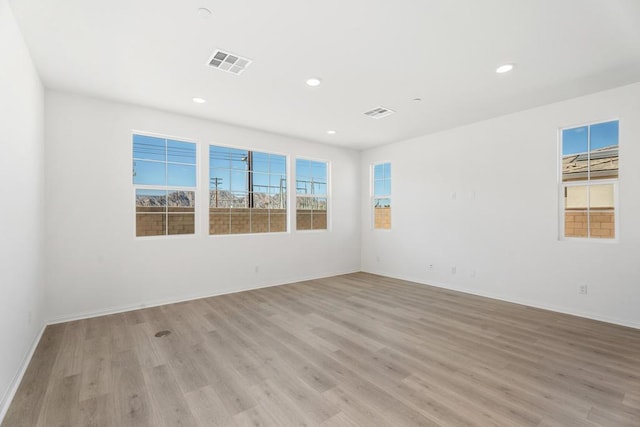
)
(379, 112)
(229, 62)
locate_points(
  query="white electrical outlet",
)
(583, 289)
(454, 270)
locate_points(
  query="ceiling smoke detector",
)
(379, 112)
(225, 61)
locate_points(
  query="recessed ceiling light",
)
(504, 68)
(204, 12)
(313, 82)
(199, 100)
(331, 132)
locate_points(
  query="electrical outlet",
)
(454, 270)
(583, 289)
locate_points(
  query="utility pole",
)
(217, 182)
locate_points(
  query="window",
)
(382, 195)
(164, 178)
(247, 191)
(589, 183)
(311, 195)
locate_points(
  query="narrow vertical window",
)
(589, 181)
(164, 177)
(311, 195)
(382, 195)
(247, 191)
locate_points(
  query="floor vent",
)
(229, 62)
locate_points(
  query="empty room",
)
(344, 213)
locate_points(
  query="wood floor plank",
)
(28, 402)
(168, 400)
(351, 350)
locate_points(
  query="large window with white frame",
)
(381, 195)
(589, 181)
(247, 191)
(311, 194)
(165, 185)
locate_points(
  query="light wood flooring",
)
(353, 350)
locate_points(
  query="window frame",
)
(373, 197)
(195, 190)
(207, 219)
(588, 183)
(327, 195)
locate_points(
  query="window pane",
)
(260, 200)
(575, 214)
(303, 169)
(181, 175)
(378, 172)
(181, 152)
(380, 188)
(319, 220)
(151, 224)
(604, 150)
(259, 221)
(387, 170)
(319, 172)
(181, 223)
(260, 162)
(151, 200)
(601, 211)
(382, 213)
(238, 181)
(260, 182)
(219, 157)
(277, 222)
(575, 143)
(277, 183)
(219, 222)
(220, 179)
(239, 159)
(320, 204)
(278, 165)
(179, 201)
(149, 173)
(151, 206)
(149, 148)
(319, 188)
(303, 220)
(239, 200)
(382, 203)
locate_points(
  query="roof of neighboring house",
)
(604, 164)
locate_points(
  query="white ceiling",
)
(367, 53)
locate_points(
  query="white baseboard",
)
(17, 379)
(177, 299)
(521, 301)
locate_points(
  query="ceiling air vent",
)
(379, 112)
(229, 62)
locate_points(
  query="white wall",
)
(503, 223)
(94, 263)
(21, 193)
